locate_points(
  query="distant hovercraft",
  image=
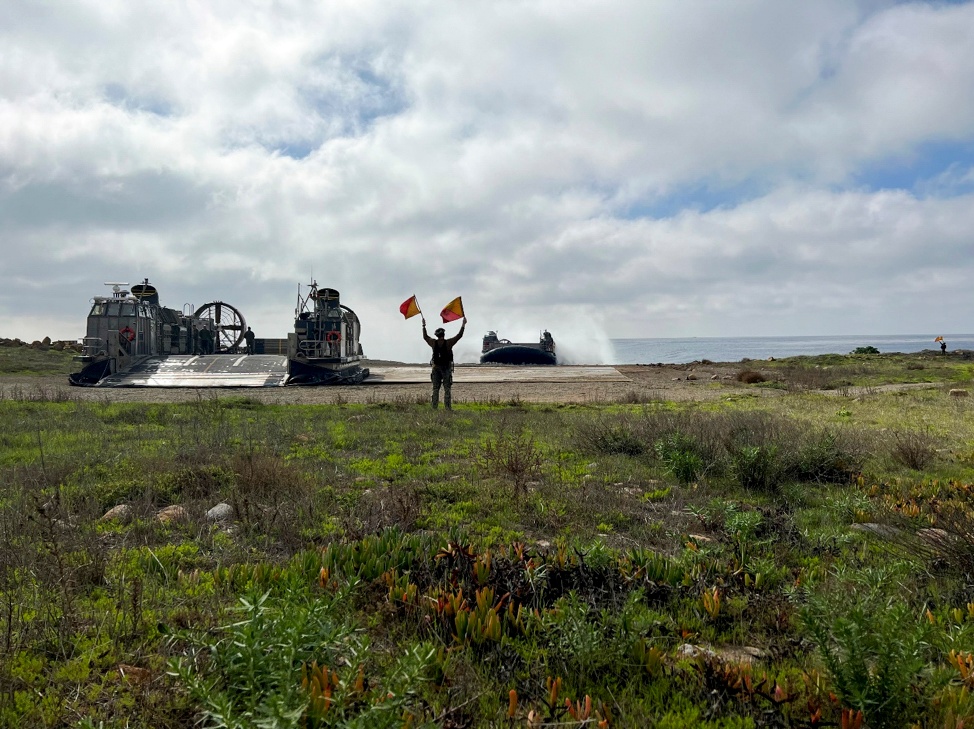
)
(502, 351)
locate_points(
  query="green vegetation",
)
(28, 361)
(799, 560)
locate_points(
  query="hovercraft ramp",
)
(211, 370)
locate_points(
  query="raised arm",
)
(427, 337)
(454, 340)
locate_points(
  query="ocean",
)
(734, 349)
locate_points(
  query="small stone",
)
(220, 512)
(880, 530)
(592, 465)
(172, 514)
(715, 377)
(691, 376)
(544, 543)
(700, 538)
(122, 513)
(958, 392)
(134, 674)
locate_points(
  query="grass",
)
(627, 564)
(28, 361)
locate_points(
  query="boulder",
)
(219, 513)
(172, 514)
(122, 513)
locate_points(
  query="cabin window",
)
(128, 309)
(98, 309)
(113, 308)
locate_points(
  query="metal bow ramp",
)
(212, 370)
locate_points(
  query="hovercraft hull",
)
(308, 373)
(518, 354)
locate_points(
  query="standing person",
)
(442, 361)
(249, 336)
(206, 341)
(943, 347)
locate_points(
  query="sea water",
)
(734, 349)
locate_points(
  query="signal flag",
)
(452, 311)
(410, 307)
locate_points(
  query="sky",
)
(600, 168)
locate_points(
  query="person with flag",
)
(442, 360)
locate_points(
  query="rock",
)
(741, 654)
(694, 651)
(47, 341)
(544, 543)
(59, 346)
(700, 538)
(938, 537)
(958, 392)
(726, 654)
(122, 513)
(691, 376)
(880, 530)
(220, 512)
(715, 377)
(172, 514)
(134, 674)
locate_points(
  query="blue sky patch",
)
(702, 197)
(933, 169)
(118, 95)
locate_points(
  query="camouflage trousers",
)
(442, 376)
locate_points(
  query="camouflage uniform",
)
(442, 361)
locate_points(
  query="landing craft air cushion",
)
(133, 341)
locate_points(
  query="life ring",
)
(333, 336)
(128, 333)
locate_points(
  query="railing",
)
(93, 346)
(319, 348)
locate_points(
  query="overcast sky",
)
(602, 168)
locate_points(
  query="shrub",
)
(250, 673)
(513, 453)
(750, 377)
(757, 467)
(612, 437)
(914, 449)
(865, 350)
(680, 454)
(824, 457)
(873, 652)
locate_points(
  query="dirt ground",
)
(645, 383)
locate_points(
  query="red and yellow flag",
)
(939, 339)
(410, 307)
(452, 311)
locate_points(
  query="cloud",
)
(600, 169)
